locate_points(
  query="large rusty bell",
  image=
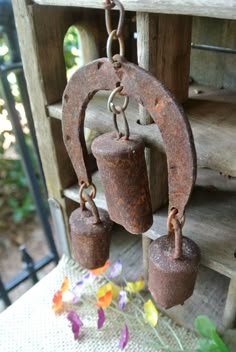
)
(121, 163)
(173, 266)
(90, 233)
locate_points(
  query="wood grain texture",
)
(45, 75)
(216, 8)
(173, 53)
(209, 67)
(229, 317)
(32, 67)
(211, 120)
(208, 298)
(147, 47)
(210, 223)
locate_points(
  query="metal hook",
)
(108, 6)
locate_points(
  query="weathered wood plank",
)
(29, 38)
(211, 121)
(216, 8)
(209, 67)
(147, 52)
(229, 317)
(173, 53)
(45, 82)
(210, 222)
(208, 298)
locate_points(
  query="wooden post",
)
(147, 51)
(163, 48)
(173, 53)
(229, 317)
(41, 32)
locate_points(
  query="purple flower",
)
(123, 299)
(80, 286)
(116, 269)
(76, 322)
(101, 317)
(124, 338)
(89, 278)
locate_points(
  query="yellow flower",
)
(136, 286)
(108, 287)
(151, 313)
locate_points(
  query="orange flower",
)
(65, 284)
(101, 270)
(57, 302)
(105, 301)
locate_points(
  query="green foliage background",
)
(16, 203)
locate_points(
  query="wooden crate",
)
(163, 47)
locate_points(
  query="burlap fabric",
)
(30, 325)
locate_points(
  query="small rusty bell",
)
(90, 233)
(121, 163)
(173, 266)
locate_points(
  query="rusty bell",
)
(172, 276)
(90, 237)
(123, 171)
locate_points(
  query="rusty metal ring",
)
(172, 216)
(108, 8)
(111, 106)
(92, 193)
(112, 36)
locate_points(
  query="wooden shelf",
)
(210, 223)
(212, 116)
(218, 9)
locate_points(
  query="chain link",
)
(111, 106)
(114, 34)
(110, 4)
(172, 217)
(92, 193)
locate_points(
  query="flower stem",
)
(174, 334)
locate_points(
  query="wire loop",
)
(119, 134)
(108, 6)
(112, 36)
(92, 193)
(112, 107)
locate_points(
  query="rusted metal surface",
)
(171, 281)
(146, 90)
(122, 166)
(90, 239)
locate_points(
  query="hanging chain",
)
(114, 34)
(116, 110)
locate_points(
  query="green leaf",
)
(18, 215)
(219, 342)
(13, 202)
(204, 326)
(205, 345)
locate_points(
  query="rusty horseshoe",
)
(145, 89)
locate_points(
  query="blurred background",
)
(27, 246)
